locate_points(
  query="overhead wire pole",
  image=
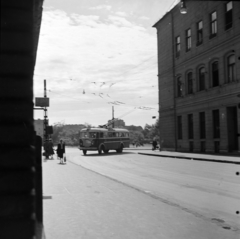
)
(113, 116)
(45, 114)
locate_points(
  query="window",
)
(215, 74)
(216, 124)
(213, 24)
(231, 68)
(191, 146)
(199, 33)
(190, 126)
(178, 47)
(179, 87)
(179, 123)
(188, 40)
(228, 15)
(202, 125)
(189, 83)
(203, 146)
(201, 78)
(216, 146)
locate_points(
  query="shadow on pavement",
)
(108, 154)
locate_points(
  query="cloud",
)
(100, 7)
(122, 14)
(75, 50)
(120, 21)
(144, 18)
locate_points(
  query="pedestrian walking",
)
(154, 144)
(51, 151)
(61, 150)
(46, 148)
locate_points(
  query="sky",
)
(99, 57)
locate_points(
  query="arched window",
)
(179, 87)
(189, 83)
(215, 74)
(201, 78)
(231, 68)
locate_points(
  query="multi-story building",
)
(199, 77)
(117, 123)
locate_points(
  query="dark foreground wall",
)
(20, 24)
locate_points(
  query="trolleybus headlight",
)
(92, 142)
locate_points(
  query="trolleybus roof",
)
(103, 130)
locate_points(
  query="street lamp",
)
(183, 8)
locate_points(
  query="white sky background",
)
(98, 54)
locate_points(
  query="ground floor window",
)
(216, 146)
(216, 124)
(190, 126)
(191, 146)
(202, 125)
(179, 124)
(203, 146)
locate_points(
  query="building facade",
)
(118, 123)
(199, 77)
(39, 127)
(20, 181)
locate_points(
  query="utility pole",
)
(113, 116)
(45, 114)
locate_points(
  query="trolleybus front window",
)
(93, 135)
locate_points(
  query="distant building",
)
(118, 123)
(39, 127)
(199, 77)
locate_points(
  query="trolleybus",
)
(103, 140)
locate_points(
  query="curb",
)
(190, 158)
(136, 149)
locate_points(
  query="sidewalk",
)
(145, 150)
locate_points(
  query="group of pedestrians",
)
(49, 150)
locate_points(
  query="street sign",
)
(42, 101)
(49, 130)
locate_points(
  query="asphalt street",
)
(137, 196)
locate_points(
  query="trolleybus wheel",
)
(84, 152)
(100, 151)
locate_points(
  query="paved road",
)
(150, 197)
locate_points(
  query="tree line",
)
(70, 133)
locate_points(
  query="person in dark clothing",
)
(51, 151)
(47, 150)
(154, 144)
(61, 151)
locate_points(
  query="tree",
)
(87, 125)
(136, 137)
(146, 131)
(155, 130)
(151, 131)
(57, 132)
